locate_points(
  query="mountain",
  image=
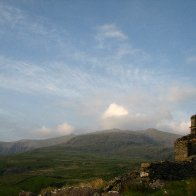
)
(27, 145)
(150, 143)
(145, 144)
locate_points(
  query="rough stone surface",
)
(111, 193)
(185, 147)
(119, 184)
(73, 191)
(24, 193)
(193, 124)
(156, 184)
(167, 170)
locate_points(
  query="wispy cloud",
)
(90, 90)
(107, 34)
(10, 15)
(62, 79)
(55, 79)
(110, 31)
(191, 59)
(180, 94)
(31, 30)
(115, 42)
(96, 78)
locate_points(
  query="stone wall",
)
(192, 150)
(181, 150)
(193, 124)
(166, 170)
(185, 148)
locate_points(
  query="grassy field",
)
(57, 167)
(171, 188)
(36, 170)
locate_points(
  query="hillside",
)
(145, 144)
(27, 145)
(117, 142)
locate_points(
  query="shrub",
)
(191, 186)
(98, 183)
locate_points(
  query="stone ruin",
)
(185, 147)
(184, 165)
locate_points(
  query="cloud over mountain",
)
(115, 110)
(46, 132)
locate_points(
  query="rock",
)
(156, 184)
(24, 193)
(73, 191)
(119, 184)
(82, 191)
(168, 170)
(185, 147)
(112, 193)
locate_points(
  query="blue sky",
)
(78, 66)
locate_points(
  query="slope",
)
(150, 143)
(27, 145)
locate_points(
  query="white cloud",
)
(136, 120)
(111, 31)
(168, 108)
(158, 118)
(65, 129)
(115, 110)
(179, 127)
(60, 130)
(109, 35)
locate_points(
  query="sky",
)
(78, 66)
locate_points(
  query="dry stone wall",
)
(167, 170)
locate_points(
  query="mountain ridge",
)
(106, 141)
(127, 143)
(25, 145)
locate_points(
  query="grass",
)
(36, 170)
(39, 169)
(98, 183)
(171, 188)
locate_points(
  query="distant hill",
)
(145, 144)
(27, 145)
(150, 143)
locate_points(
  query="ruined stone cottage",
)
(185, 147)
(185, 160)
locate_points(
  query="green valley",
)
(82, 158)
